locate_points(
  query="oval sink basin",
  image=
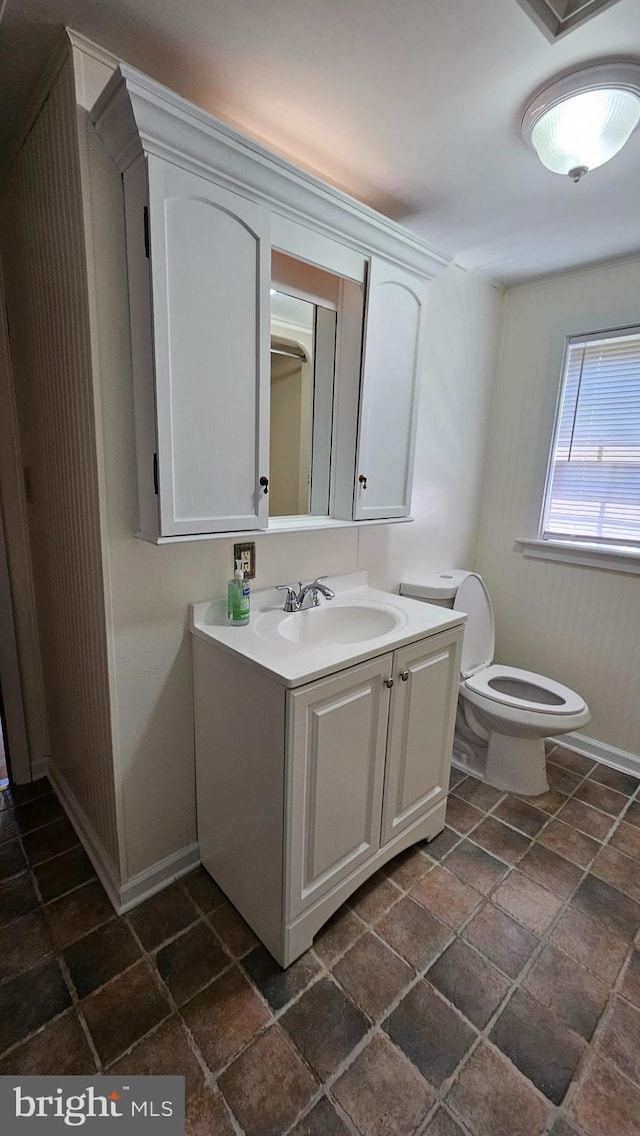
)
(343, 624)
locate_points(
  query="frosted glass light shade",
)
(582, 119)
(585, 130)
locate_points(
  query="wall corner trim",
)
(141, 886)
(39, 768)
(158, 876)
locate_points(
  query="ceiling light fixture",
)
(581, 120)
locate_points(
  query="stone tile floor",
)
(487, 984)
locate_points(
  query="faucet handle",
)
(318, 586)
(291, 599)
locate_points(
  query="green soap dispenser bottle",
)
(238, 598)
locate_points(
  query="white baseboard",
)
(139, 887)
(600, 751)
(106, 870)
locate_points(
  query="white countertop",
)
(293, 663)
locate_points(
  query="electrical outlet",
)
(246, 554)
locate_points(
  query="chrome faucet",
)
(307, 596)
(311, 590)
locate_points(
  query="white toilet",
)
(504, 713)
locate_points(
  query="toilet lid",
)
(479, 640)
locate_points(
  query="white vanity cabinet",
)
(205, 207)
(303, 793)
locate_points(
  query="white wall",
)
(46, 291)
(579, 625)
(22, 609)
(150, 587)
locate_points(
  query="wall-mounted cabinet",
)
(200, 323)
(205, 209)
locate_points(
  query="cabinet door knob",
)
(264, 481)
(404, 675)
(363, 481)
(388, 682)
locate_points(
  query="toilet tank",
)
(434, 587)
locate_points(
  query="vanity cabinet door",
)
(209, 252)
(421, 729)
(337, 731)
(390, 378)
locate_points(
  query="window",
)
(593, 484)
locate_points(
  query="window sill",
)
(591, 556)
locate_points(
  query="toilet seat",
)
(484, 681)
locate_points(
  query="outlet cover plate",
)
(246, 554)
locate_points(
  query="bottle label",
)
(238, 602)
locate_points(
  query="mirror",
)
(292, 355)
(303, 334)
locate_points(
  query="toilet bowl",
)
(504, 713)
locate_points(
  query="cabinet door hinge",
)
(155, 474)
(146, 232)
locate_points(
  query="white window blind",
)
(593, 486)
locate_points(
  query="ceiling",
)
(411, 106)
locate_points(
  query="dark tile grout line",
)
(593, 1047)
(325, 970)
(615, 988)
(549, 818)
(320, 973)
(58, 954)
(561, 1109)
(209, 1077)
(444, 1089)
(376, 1028)
(20, 836)
(274, 1015)
(30, 867)
(75, 1005)
(460, 836)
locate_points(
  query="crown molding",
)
(88, 47)
(136, 116)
